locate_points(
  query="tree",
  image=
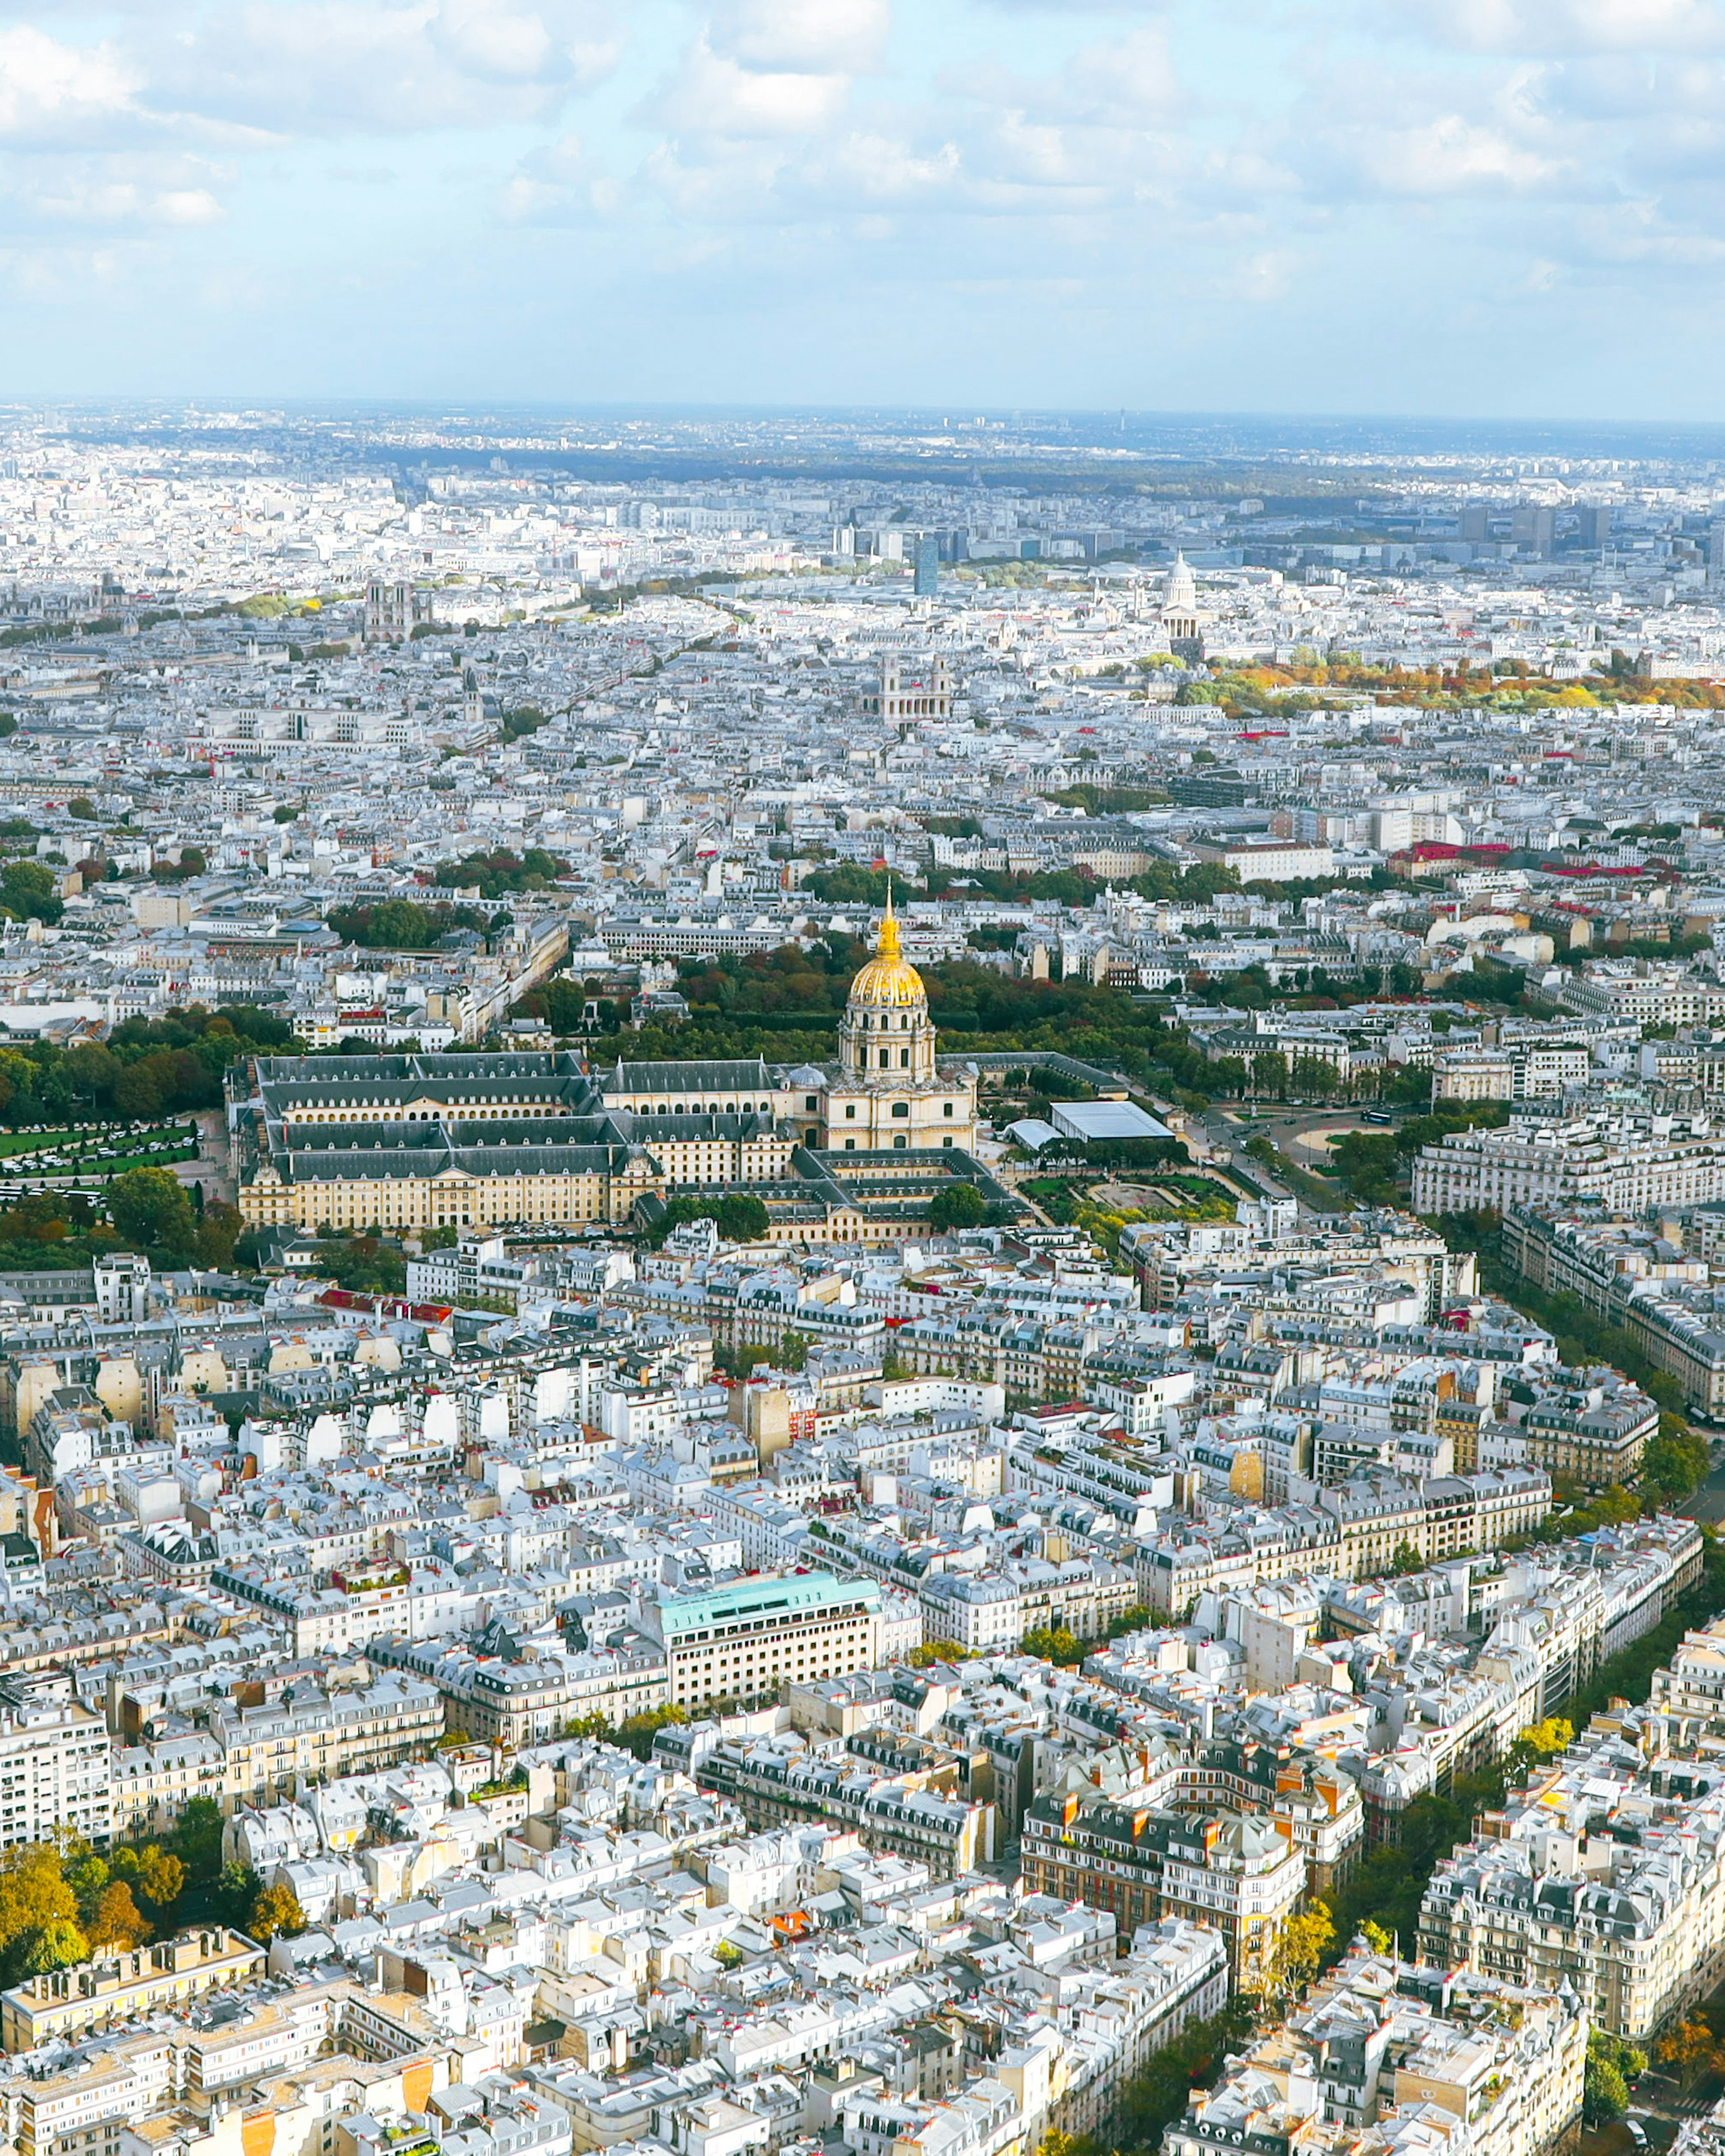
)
(1406, 1559)
(1052, 1644)
(27, 892)
(1675, 1460)
(56, 1944)
(232, 1894)
(219, 1228)
(638, 1730)
(152, 1212)
(1539, 1740)
(1688, 2048)
(937, 1651)
(161, 1876)
(1605, 2093)
(34, 1893)
(398, 924)
(197, 1838)
(1612, 2065)
(958, 1205)
(1299, 1948)
(1375, 1937)
(87, 1874)
(276, 1913)
(742, 1218)
(116, 1921)
(1152, 2101)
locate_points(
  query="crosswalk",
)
(1697, 2104)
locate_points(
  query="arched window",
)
(886, 1059)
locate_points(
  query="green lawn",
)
(138, 1160)
(110, 1150)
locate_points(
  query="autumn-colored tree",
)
(1375, 1937)
(1688, 2048)
(155, 1872)
(1539, 1740)
(163, 1876)
(34, 1893)
(116, 1921)
(1299, 1948)
(277, 1913)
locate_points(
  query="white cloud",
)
(335, 67)
(1450, 155)
(558, 185)
(712, 95)
(1558, 27)
(55, 93)
(819, 37)
(120, 203)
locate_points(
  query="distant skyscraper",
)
(1594, 523)
(928, 566)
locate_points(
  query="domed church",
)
(480, 1141)
(888, 1094)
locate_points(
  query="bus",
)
(1377, 1115)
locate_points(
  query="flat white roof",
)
(1105, 1119)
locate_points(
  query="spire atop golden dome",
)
(888, 945)
(888, 979)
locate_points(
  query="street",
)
(1708, 1502)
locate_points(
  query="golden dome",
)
(889, 982)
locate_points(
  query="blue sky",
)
(1511, 207)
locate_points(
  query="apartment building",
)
(741, 1641)
(169, 1975)
(501, 1699)
(1624, 1162)
(83, 2105)
(54, 1769)
(1385, 2060)
(1633, 1921)
(1235, 1875)
(1648, 1274)
(780, 1783)
(265, 1748)
(1651, 991)
(1351, 1530)
(1526, 1070)
(1591, 1432)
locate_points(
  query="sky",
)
(1509, 208)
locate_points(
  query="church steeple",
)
(887, 946)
